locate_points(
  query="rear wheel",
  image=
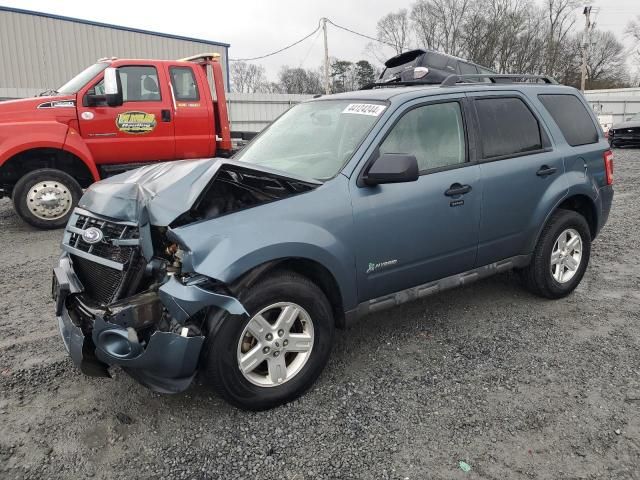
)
(276, 353)
(561, 256)
(45, 198)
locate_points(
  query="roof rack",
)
(454, 79)
(451, 80)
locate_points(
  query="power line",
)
(306, 37)
(277, 51)
(359, 34)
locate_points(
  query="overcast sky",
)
(256, 27)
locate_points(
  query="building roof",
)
(108, 25)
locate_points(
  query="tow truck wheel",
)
(45, 198)
(276, 353)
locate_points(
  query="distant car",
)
(625, 134)
(428, 67)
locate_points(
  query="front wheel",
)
(561, 256)
(276, 353)
(45, 198)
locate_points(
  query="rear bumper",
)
(625, 140)
(97, 338)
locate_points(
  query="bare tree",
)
(247, 77)
(561, 18)
(438, 24)
(605, 61)
(299, 80)
(393, 29)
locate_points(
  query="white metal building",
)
(614, 105)
(39, 51)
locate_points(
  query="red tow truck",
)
(115, 115)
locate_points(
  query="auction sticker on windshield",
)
(372, 109)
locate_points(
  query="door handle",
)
(457, 189)
(166, 115)
(546, 170)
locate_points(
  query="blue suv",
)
(240, 270)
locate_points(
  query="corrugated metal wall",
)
(40, 52)
(619, 104)
(251, 112)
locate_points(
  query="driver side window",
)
(139, 84)
(434, 134)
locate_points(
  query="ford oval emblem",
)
(92, 235)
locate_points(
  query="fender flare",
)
(574, 191)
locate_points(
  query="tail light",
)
(608, 166)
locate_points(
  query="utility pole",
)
(585, 43)
(326, 57)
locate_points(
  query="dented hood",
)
(158, 194)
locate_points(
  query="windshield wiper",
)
(48, 93)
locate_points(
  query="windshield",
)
(314, 139)
(81, 79)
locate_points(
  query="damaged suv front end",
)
(125, 288)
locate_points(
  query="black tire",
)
(220, 361)
(65, 182)
(537, 276)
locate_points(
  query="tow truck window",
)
(139, 84)
(184, 83)
(81, 79)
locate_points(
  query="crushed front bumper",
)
(99, 337)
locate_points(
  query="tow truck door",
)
(141, 129)
(193, 111)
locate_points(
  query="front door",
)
(141, 129)
(415, 232)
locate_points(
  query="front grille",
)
(94, 264)
(101, 283)
(111, 231)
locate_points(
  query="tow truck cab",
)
(115, 115)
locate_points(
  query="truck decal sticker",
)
(136, 122)
(372, 109)
(58, 104)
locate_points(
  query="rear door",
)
(141, 129)
(521, 174)
(192, 114)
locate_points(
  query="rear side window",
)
(467, 69)
(507, 127)
(184, 83)
(572, 118)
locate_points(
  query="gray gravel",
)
(513, 385)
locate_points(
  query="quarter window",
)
(507, 127)
(572, 118)
(184, 83)
(434, 134)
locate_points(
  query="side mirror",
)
(392, 168)
(112, 96)
(112, 87)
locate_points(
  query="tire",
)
(256, 390)
(28, 203)
(541, 276)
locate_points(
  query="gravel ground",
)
(513, 385)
